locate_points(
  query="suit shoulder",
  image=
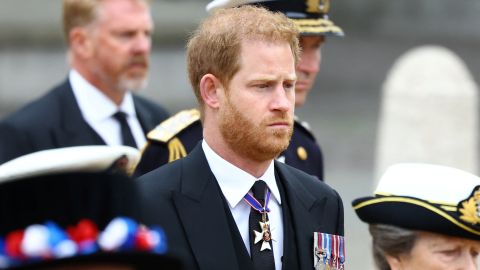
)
(174, 125)
(162, 179)
(39, 111)
(310, 182)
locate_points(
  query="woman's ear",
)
(211, 90)
(394, 262)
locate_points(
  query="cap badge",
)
(470, 207)
(318, 6)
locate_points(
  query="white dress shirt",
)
(98, 110)
(235, 183)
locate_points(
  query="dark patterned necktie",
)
(127, 136)
(262, 259)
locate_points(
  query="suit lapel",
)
(202, 213)
(73, 129)
(290, 254)
(307, 211)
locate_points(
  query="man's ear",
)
(80, 42)
(211, 90)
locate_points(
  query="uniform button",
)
(302, 153)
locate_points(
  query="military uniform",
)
(177, 136)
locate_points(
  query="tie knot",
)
(120, 116)
(258, 190)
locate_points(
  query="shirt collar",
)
(233, 181)
(95, 105)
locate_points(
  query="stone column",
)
(428, 112)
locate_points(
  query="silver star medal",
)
(264, 235)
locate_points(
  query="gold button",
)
(302, 153)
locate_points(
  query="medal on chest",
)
(329, 251)
(264, 235)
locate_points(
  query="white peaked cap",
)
(425, 197)
(68, 159)
(217, 4)
(427, 182)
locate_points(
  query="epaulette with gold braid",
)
(169, 128)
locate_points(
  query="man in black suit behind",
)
(109, 46)
(241, 64)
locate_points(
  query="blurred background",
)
(343, 110)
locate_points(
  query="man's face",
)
(439, 252)
(256, 117)
(308, 66)
(121, 40)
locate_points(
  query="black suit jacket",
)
(55, 120)
(184, 198)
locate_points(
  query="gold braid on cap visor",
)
(421, 204)
(317, 26)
